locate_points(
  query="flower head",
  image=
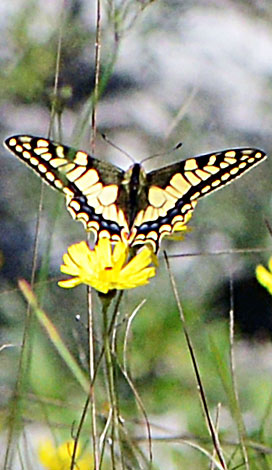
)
(105, 268)
(59, 458)
(264, 276)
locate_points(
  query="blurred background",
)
(195, 72)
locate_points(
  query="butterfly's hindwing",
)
(173, 191)
(91, 186)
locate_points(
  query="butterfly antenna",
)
(104, 137)
(163, 153)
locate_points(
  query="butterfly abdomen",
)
(134, 187)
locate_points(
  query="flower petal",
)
(46, 452)
(140, 261)
(103, 253)
(264, 277)
(120, 253)
(135, 279)
(59, 458)
(73, 271)
(68, 283)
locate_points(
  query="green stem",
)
(92, 375)
(110, 378)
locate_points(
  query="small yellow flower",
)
(264, 276)
(106, 269)
(59, 458)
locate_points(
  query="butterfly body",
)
(133, 184)
(132, 206)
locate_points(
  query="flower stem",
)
(92, 375)
(110, 378)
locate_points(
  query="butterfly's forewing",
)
(91, 186)
(173, 191)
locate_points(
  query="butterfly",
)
(132, 206)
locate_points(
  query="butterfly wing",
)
(91, 187)
(173, 191)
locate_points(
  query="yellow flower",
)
(106, 269)
(59, 458)
(264, 276)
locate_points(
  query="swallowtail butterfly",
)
(132, 205)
